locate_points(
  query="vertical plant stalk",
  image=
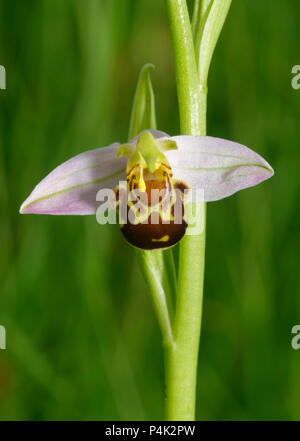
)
(182, 359)
(192, 61)
(192, 121)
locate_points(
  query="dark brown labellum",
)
(155, 220)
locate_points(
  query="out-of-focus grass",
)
(82, 340)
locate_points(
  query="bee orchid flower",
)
(151, 160)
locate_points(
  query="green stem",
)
(182, 358)
(152, 264)
(192, 118)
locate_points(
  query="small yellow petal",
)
(125, 150)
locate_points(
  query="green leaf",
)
(208, 21)
(143, 110)
(201, 8)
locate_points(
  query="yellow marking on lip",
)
(162, 239)
(141, 183)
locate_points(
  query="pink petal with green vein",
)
(71, 188)
(218, 166)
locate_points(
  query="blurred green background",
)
(82, 339)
